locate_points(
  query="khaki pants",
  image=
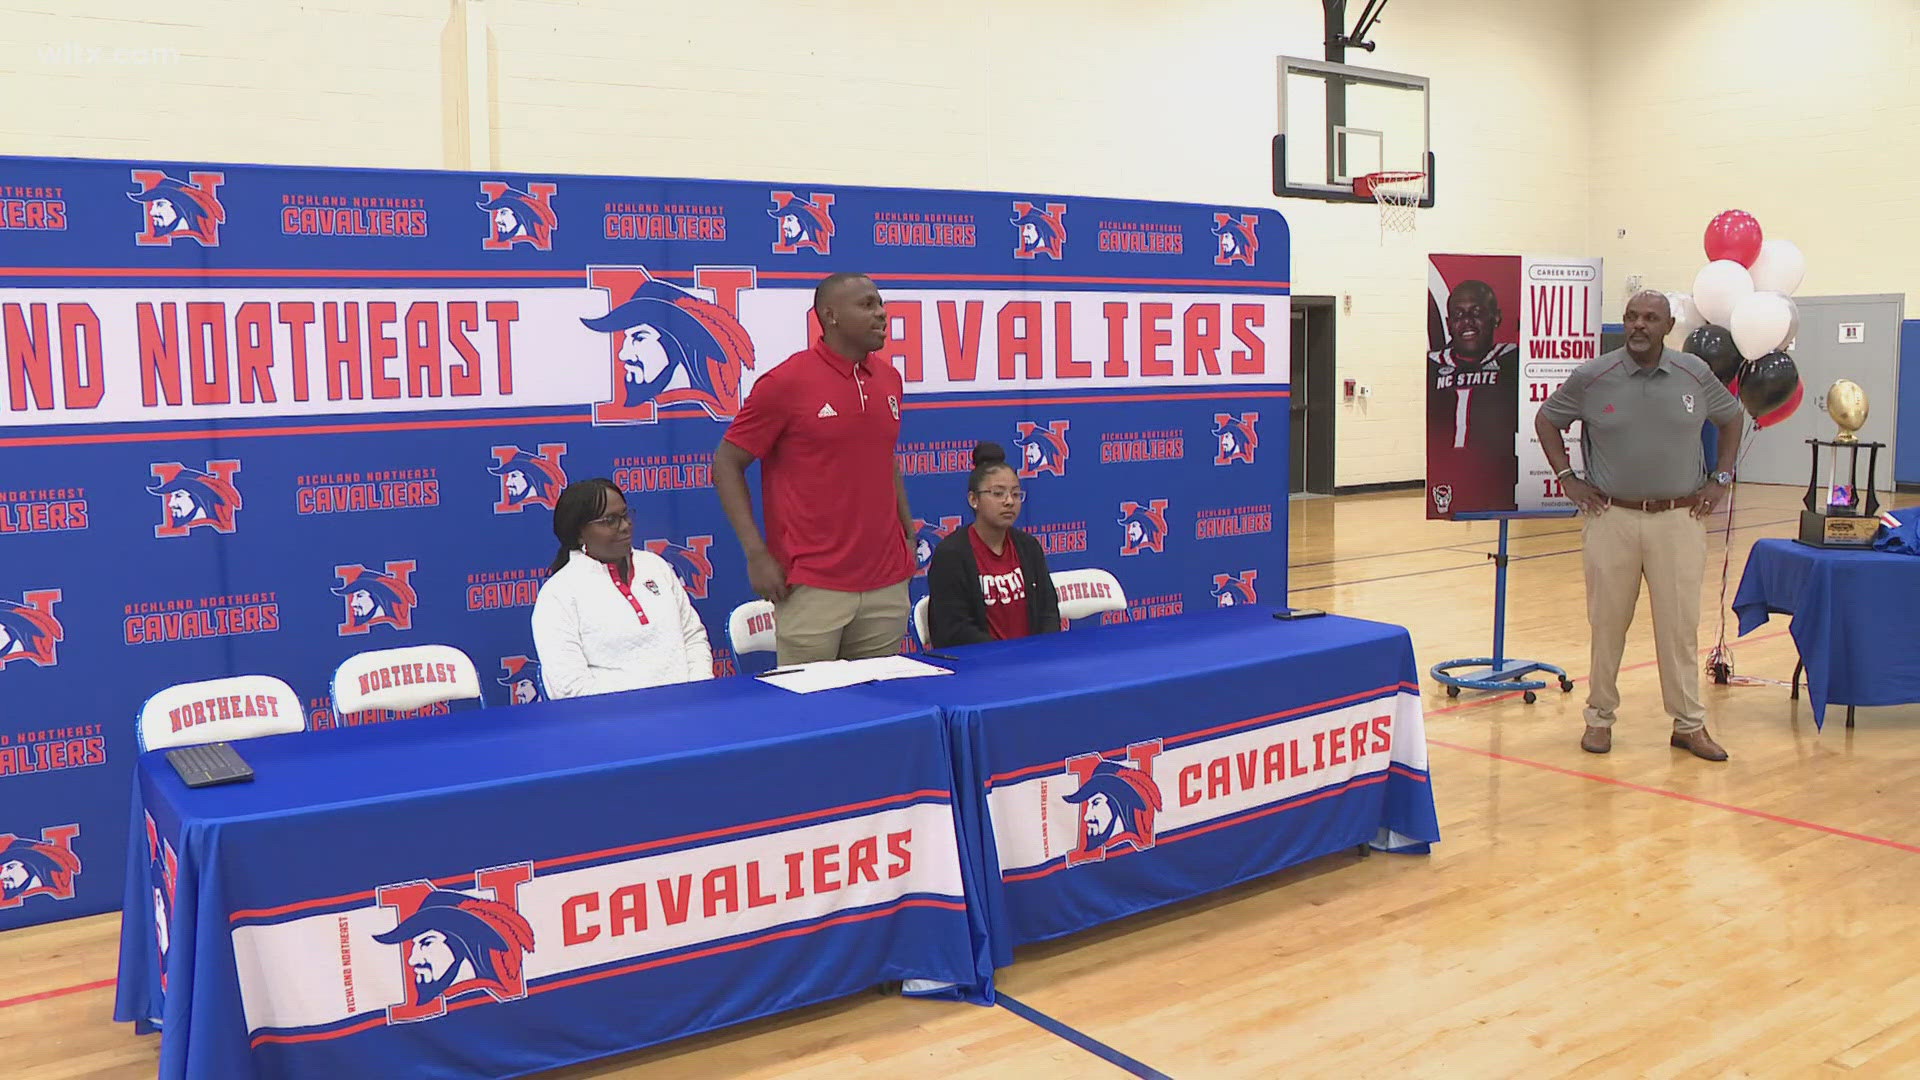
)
(822, 624)
(1669, 549)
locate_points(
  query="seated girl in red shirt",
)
(989, 581)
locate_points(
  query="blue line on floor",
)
(1085, 1042)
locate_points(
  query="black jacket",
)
(957, 613)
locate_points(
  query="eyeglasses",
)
(1003, 494)
(612, 521)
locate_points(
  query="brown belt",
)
(1654, 506)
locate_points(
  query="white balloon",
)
(1779, 268)
(1763, 322)
(1686, 318)
(1718, 287)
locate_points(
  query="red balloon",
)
(1785, 410)
(1735, 235)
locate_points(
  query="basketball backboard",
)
(1339, 122)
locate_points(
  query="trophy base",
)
(1837, 530)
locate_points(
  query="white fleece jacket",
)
(591, 641)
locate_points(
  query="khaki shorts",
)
(824, 624)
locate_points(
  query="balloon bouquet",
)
(1741, 319)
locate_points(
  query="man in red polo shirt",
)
(835, 559)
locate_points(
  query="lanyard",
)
(627, 591)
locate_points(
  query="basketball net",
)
(1398, 195)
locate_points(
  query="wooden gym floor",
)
(1636, 915)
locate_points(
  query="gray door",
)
(1869, 355)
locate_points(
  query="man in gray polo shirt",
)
(1642, 501)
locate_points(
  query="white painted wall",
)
(1806, 114)
(1168, 99)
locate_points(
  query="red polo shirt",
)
(824, 431)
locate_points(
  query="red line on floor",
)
(1630, 785)
(62, 992)
(1683, 797)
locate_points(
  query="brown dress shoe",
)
(1597, 740)
(1699, 744)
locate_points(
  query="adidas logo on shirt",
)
(826, 411)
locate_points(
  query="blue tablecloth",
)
(1109, 770)
(572, 879)
(1853, 615)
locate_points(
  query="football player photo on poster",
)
(1503, 331)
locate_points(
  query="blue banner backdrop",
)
(258, 419)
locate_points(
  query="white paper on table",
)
(812, 678)
(884, 668)
(834, 674)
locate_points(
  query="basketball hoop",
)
(1398, 194)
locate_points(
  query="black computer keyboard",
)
(209, 764)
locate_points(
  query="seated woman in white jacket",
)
(610, 618)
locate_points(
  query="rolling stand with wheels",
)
(1499, 672)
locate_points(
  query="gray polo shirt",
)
(1640, 427)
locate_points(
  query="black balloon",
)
(1766, 382)
(1714, 344)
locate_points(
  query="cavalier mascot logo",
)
(521, 676)
(1234, 437)
(178, 210)
(802, 224)
(43, 867)
(528, 479)
(926, 537)
(1234, 590)
(690, 561)
(1238, 240)
(376, 597)
(669, 347)
(192, 498)
(1144, 527)
(452, 943)
(1042, 449)
(29, 630)
(1039, 230)
(517, 216)
(1118, 800)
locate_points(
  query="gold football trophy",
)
(1834, 516)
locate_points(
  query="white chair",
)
(404, 679)
(920, 622)
(1088, 592)
(218, 710)
(750, 627)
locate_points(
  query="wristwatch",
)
(1723, 478)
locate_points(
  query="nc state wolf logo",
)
(528, 479)
(177, 210)
(926, 537)
(802, 224)
(190, 498)
(516, 216)
(669, 346)
(1232, 590)
(43, 867)
(163, 870)
(1145, 527)
(1042, 449)
(521, 676)
(1039, 230)
(1117, 801)
(689, 561)
(376, 597)
(452, 943)
(1238, 240)
(1442, 496)
(1236, 438)
(29, 630)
